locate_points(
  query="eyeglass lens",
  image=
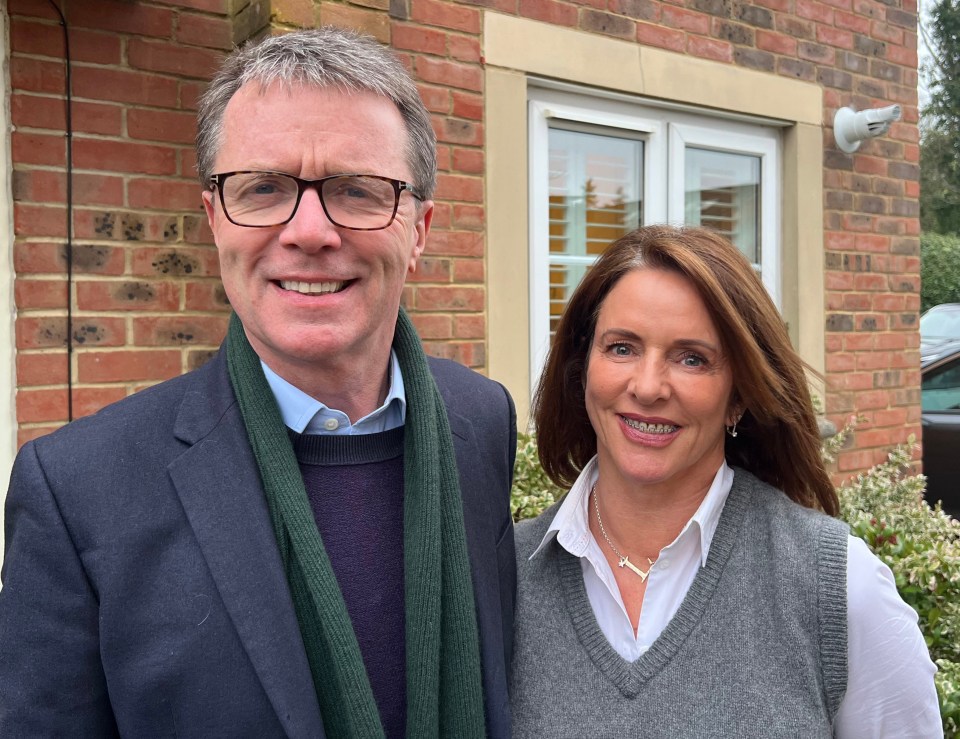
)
(267, 199)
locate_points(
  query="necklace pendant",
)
(625, 562)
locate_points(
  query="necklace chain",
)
(624, 560)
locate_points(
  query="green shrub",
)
(884, 507)
(939, 270)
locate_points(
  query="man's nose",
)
(310, 229)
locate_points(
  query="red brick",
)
(37, 406)
(39, 220)
(124, 86)
(196, 230)
(457, 187)
(185, 61)
(872, 243)
(431, 269)
(127, 366)
(201, 30)
(98, 331)
(300, 13)
(467, 105)
(456, 243)
(468, 270)
(121, 156)
(665, 38)
(94, 47)
(370, 22)
(166, 194)
(418, 38)
(452, 298)
(41, 368)
(178, 261)
(708, 48)
(188, 164)
(835, 37)
(469, 326)
(445, 15)
(37, 148)
(901, 55)
(776, 43)
(43, 39)
(432, 326)
(127, 296)
(207, 295)
(549, 11)
(190, 93)
(36, 111)
(454, 74)
(50, 187)
(37, 75)
(436, 99)
(866, 164)
(89, 400)
(814, 11)
(159, 125)
(43, 332)
(33, 257)
(470, 161)
(123, 17)
(464, 48)
(38, 294)
(685, 20)
(179, 330)
(884, 32)
(852, 22)
(469, 217)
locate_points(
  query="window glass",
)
(941, 388)
(595, 197)
(722, 192)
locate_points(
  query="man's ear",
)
(209, 207)
(421, 229)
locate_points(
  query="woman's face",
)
(658, 386)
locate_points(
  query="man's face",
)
(312, 295)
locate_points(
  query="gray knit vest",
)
(758, 648)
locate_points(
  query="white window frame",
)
(728, 137)
(665, 131)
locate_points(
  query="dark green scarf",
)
(444, 691)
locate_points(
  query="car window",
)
(941, 388)
(940, 324)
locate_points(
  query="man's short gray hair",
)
(323, 57)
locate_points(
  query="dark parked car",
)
(940, 368)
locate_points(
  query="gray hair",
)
(322, 57)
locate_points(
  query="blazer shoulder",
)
(140, 418)
(468, 392)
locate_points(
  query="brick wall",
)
(147, 301)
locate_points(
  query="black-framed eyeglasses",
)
(361, 202)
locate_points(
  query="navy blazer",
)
(143, 592)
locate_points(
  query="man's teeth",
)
(311, 288)
(650, 428)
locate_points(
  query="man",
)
(306, 536)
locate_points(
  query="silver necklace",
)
(624, 560)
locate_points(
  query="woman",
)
(691, 583)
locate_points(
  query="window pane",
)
(595, 198)
(941, 388)
(722, 192)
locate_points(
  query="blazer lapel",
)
(219, 486)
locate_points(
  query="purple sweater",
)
(355, 488)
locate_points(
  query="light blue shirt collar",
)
(307, 415)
